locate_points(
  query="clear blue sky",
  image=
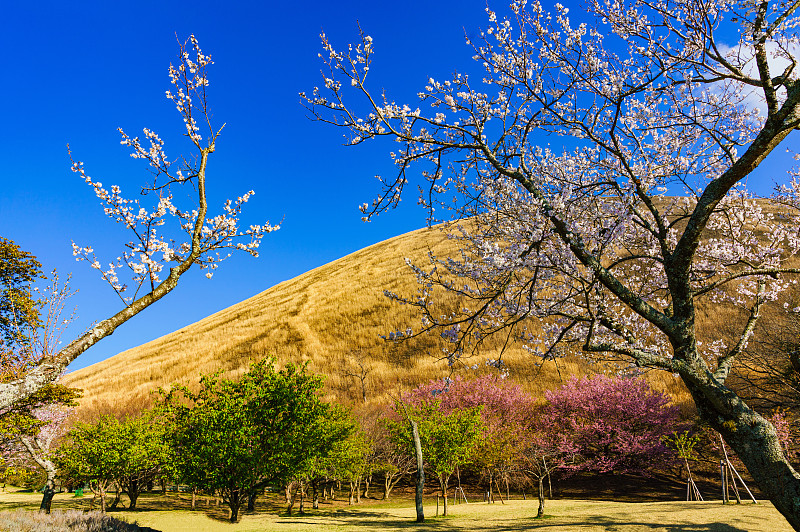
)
(75, 71)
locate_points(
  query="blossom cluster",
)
(600, 245)
(166, 234)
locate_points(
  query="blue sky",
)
(75, 71)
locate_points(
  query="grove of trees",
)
(269, 428)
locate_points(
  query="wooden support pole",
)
(722, 477)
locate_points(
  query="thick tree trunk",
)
(133, 494)
(39, 455)
(234, 502)
(755, 441)
(251, 501)
(420, 478)
(48, 493)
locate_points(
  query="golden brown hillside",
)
(333, 317)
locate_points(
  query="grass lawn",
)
(561, 515)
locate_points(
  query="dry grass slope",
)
(332, 317)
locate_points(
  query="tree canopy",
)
(238, 435)
(19, 309)
(614, 238)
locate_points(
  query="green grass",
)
(561, 515)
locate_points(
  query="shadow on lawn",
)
(617, 524)
(367, 519)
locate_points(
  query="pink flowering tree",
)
(505, 411)
(613, 239)
(616, 424)
(166, 239)
(543, 449)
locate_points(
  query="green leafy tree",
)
(237, 436)
(19, 311)
(340, 447)
(347, 459)
(449, 439)
(130, 453)
(90, 456)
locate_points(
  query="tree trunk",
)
(443, 485)
(358, 490)
(351, 498)
(234, 504)
(49, 491)
(386, 486)
(194, 497)
(754, 440)
(302, 508)
(51, 367)
(420, 479)
(251, 501)
(133, 494)
(540, 511)
(367, 481)
(490, 493)
(289, 497)
(315, 495)
(102, 498)
(117, 496)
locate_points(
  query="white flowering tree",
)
(159, 253)
(612, 242)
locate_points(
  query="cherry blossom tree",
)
(37, 443)
(544, 448)
(650, 99)
(615, 424)
(157, 254)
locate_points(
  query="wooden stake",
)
(722, 476)
(733, 484)
(499, 493)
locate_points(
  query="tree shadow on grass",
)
(368, 519)
(617, 524)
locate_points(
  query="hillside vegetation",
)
(333, 318)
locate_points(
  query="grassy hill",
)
(332, 317)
